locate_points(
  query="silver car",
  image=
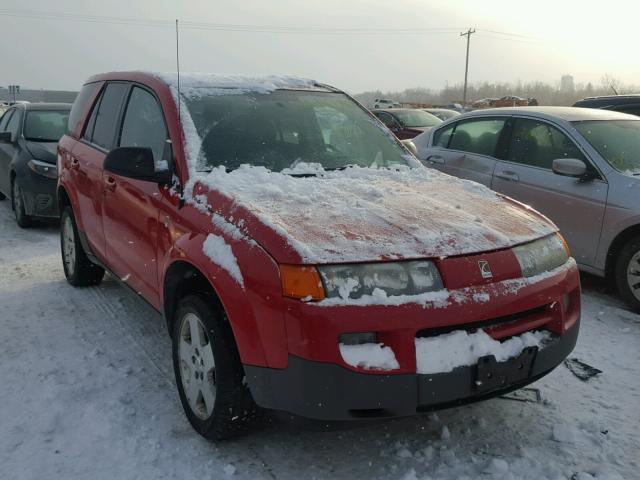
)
(578, 166)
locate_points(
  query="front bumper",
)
(38, 194)
(330, 392)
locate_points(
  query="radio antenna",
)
(178, 68)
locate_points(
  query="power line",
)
(249, 28)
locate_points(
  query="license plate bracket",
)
(493, 375)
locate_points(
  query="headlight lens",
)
(394, 278)
(42, 168)
(541, 255)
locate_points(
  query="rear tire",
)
(627, 273)
(208, 371)
(22, 219)
(78, 269)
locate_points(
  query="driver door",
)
(131, 207)
(576, 206)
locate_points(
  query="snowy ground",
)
(87, 391)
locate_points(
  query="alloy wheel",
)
(633, 275)
(197, 366)
(68, 245)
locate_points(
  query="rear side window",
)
(143, 124)
(387, 119)
(107, 116)
(80, 106)
(538, 144)
(477, 136)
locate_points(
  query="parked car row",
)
(304, 261)
(578, 166)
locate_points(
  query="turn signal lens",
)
(301, 282)
(565, 245)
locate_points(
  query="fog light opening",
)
(359, 338)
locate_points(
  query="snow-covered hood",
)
(364, 214)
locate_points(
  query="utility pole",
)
(467, 34)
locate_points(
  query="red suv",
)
(304, 261)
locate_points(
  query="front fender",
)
(254, 309)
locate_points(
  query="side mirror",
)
(410, 146)
(136, 163)
(5, 137)
(570, 167)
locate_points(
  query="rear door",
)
(130, 208)
(575, 205)
(87, 158)
(467, 149)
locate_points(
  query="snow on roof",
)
(190, 82)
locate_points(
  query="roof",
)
(44, 106)
(607, 101)
(569, 114)
(258, 83)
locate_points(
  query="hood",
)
(43, 151)
(366, 214)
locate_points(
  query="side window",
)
(13, 125)
(80, 105)
(387, 119)
(477, 136)
(88, 131)
(441, 137)
(107, 116)
(4, 120)
(143, 124)
(538, 144)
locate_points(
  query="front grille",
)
(472, 327)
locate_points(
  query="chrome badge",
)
(485, 269)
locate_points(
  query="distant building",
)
(35, 96)
(566, 83)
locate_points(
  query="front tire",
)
(22, 219)
(627, 273)
(208, 371)
(78, 269)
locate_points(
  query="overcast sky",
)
(583, 38)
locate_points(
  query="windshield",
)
(45, 125)
(617, 141)
(417, 118)
(282, 129)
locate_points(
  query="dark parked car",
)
(29, 134)
(620, 103)
(406, 122)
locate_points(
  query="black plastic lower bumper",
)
(330, 392)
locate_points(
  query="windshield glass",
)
(618, 141)
(417, 118)
(45, 125)
(282, 129)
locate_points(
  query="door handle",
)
(435, 159)
(508, 175)
(110, 183)
(75, 163)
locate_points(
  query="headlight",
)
(42, 168)
(541, 255)
(394, 278)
